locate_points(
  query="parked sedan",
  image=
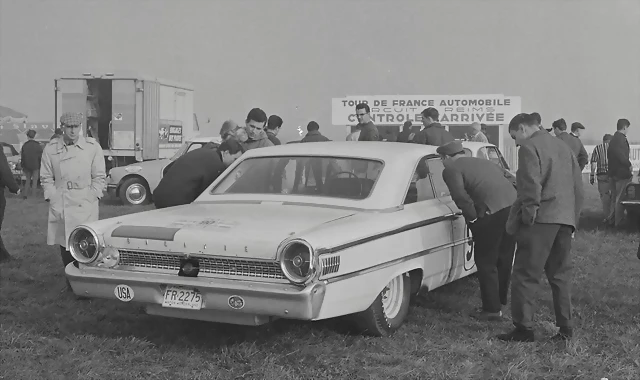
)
(374, 225)
(135, 183)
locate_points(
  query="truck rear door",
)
(123, 114)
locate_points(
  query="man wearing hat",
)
(483, 192)
(30, 155)
(572, 140)
(600, 170)
(543, 219)
(72, 173)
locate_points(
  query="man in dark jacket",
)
(433, 133)
(368, 130)
(560, 130)
(192, 173)
(6, 180)
(620, 170)
(543, 218)
(273, 127)
(410, 133)
(482, 192)
(30, 156)
(313, 164)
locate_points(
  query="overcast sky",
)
(574, 59)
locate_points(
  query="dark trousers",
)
(4, 254)
(542, 247)
(66, 260)
(31, 181)
(494, 250)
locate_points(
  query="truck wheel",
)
(388, 311)
(133, 191)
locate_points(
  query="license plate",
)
(182, 298)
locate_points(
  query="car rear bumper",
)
(260, 299)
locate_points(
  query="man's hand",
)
(18, 192)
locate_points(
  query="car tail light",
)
(298, 262)
(84, 245)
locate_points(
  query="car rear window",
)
(336, 177)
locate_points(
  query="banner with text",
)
(494, 109)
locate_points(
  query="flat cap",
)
(451, 148)
(71, 118)
(577, 125)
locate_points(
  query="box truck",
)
(135, 118)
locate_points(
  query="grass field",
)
(48, 334)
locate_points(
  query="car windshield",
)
(181, 151)
(336, 177)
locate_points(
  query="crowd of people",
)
(532, 218)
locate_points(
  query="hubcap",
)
(392, 297)
(136, 194)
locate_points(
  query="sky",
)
(574, 59)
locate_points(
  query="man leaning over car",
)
(192, 173)
(483, 192)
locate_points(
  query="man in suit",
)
(433, 133)
(6, 180)
(481, 190)
(620, 170)
(192, 173)
(543, 218)
(560, 130)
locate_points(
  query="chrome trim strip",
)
(291, 203)
(408, 227)
(394, 261)
(145, 232)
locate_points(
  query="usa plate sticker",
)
(123, 292)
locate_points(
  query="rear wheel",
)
(388, 311)
(134, 191)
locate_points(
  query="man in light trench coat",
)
(72, 173)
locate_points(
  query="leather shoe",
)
(518, 335)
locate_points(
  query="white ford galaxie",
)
(302, 231)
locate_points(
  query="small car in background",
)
(134, 184)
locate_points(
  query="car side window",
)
(420, 188)
(494, 157)
(194, 146)
(482, 153)
(436, 167)
(467, 152)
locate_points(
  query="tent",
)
(8, 115)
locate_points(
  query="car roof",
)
(380, 150)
